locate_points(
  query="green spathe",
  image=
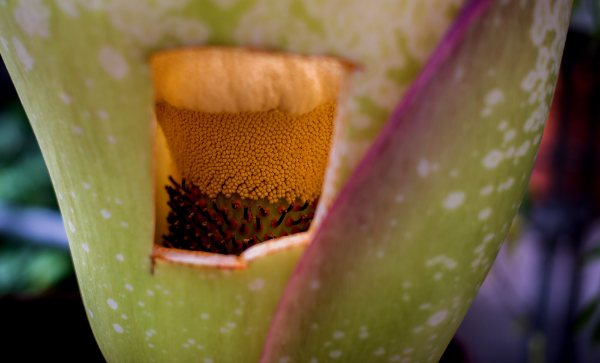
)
(418, 252)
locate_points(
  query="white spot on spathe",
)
(487, 190)
(379, 351)
(315, 284)
(124, 224)
(65, 98)
(486, 112)
(105, 213)
(399, 198)
(494, 97)
(150, 292)
(111, 139)
(208, 360)
(454, 200)
(85, 247)
(484, 214)
(118, 328)
(437, 318)
(446, 261)
(120, 257)
(68, 7)
(86, 186)
(150, 333)
(423, 168)
(338, 334)
(425, 306)
(488, 238)
(77, 130)
(113, 304)
(363, 332)
(256, 284)
(509, 135)
(205, 316)
(335, 354)
(124, 316)
(32, 17)
(506, 185)
(71, 226)
(225, 4)
(522, 150)
(459, 73)
(113, 63)
(129, 287)
(509, 152)
(285, 360)
(492, 159)
(24, 57)
(89, 83)
(102, 115)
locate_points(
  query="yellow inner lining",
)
(214, 80)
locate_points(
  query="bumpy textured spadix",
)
(396, 259)
(268, 155)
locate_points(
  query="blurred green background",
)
(26, 266)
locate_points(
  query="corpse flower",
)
(284, 181)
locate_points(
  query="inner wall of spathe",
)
(163, 168)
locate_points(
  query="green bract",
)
(410, 232)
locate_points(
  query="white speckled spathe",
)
(487, 158)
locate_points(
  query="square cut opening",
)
(242, 143)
